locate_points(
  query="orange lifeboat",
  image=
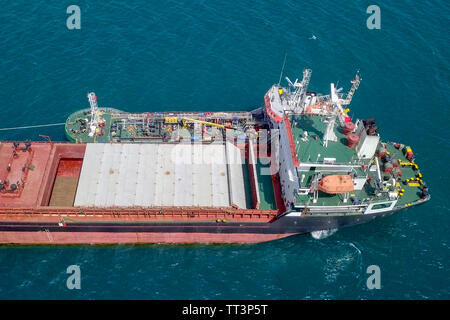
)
(335, 184)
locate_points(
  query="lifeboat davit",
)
(336, 184)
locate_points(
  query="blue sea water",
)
(215, 55)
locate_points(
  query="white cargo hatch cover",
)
(167, 175)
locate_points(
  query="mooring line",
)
(36, 126)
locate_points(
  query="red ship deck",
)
(49, 184)
(35, 162)
(33, 171)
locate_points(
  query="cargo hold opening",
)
(66, 182)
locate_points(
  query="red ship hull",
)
(132, 237)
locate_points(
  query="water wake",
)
(322, 234)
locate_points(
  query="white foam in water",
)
(322, 234)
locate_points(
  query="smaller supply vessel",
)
(295, 165)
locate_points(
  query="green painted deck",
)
(247, 186)
(411, 194)
(365, 196)
(308, 151)
(72, 123)
(266, 192)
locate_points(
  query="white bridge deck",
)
(127, 175)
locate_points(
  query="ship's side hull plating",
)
(163, 232)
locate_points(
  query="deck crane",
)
(202, 122)
(185, 120)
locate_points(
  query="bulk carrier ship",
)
(298, 164)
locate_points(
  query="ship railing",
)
(335, 166)
(332, 209)
(40, 142)
(246, 115)
(145, 213)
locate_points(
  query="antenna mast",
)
(301, 87)
(94, 113)
(282, 69)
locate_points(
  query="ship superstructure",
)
(297, 164)
(330, 164)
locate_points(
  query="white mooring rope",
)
(37, 126)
